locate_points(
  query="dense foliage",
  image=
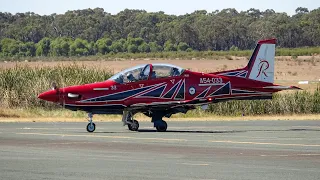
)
(20, 86)
(94, 32)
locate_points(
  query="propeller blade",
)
(54, 86)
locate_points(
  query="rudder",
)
(261, 64)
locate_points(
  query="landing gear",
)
(161, 126)
(127, 118)
(134, 126)
(91, 126)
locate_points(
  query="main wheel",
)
(162, 127)
(134, 126)
(91, 127)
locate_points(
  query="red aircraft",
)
(160, 90)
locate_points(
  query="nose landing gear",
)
(91, 126)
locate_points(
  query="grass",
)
(20, 86)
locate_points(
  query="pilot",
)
(142, 76)
(153, 75)
(175, 72)
(130, 77)
(120, 79)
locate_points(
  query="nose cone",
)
(51, 95)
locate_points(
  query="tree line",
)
(94, 31)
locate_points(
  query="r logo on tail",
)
(263, 66)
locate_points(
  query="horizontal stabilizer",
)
(283, 87)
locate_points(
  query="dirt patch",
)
(4, 115)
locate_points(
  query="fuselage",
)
(184, 90)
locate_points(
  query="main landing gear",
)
(127, 118)
(161, 125)
(158, 123)
(91, 126)
(133, 125)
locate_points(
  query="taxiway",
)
(189, 150)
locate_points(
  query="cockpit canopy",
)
(145, 72)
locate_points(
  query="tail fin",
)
(261, 64)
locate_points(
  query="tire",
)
(162, 127)
(134, 126)
(91, 127)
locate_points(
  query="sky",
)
(177, 7)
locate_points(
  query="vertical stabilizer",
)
(261, 64)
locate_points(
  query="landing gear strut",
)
(91, 126)
(127, 118)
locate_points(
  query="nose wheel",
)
(91, 126)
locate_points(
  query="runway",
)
(189, 150)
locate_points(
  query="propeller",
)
(60, 94)
(54, 86)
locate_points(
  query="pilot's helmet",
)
(175, 71)
(120, 78)
(130, 77)
(153, 75)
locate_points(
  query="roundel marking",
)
(192, 90)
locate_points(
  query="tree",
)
(10, 47)
(118, 46)
(43, 47)
(99, 32)
(79, 47)
(27, 49)
(132, 48)
(60, 47)
(103, 45)
(154, 47)
(301, 10)
(168, 46)
(182, 46)
(144, 47)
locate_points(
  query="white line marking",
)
(193, 164)
(267, 143)
(286, 155)
(100, 136)
(31, 128)
(308, 154)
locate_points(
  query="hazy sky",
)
(177, 7)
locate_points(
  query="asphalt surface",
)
(189, 150)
